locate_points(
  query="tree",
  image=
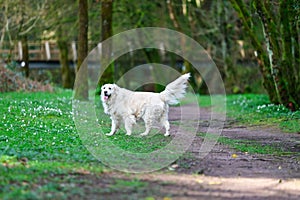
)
(274, 30)
(81, 84)
(106, 32)
(60, 18)
(210, 24)
(20, 19)
(63, 46)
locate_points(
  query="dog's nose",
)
(105, 93)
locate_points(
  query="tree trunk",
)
(63, 58)
(278, 55)
(81, 84)
(290, 84)
(25, 55)
(64, 63)
(106, 32)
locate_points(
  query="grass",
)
(39, 126)
(39, 145)
(249, 146)
(42, 155)
(39, 142)
(257, 110)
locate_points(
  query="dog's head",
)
(107, 91)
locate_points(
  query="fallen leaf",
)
(215, 183)
(234, 155)
(199, 181)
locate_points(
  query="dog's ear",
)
(115, 86)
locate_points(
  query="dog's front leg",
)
(114, 126)
(129, 122)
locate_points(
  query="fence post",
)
(74, 51)
(20, 50)
(47, 49)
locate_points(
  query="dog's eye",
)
(109, 88)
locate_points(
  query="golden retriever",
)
(129, 106)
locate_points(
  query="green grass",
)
(42, 155)
(39, 126)
(256, 110)
(249, 146)
(40, 148)
(39, 142)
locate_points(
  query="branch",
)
(173, 16)
(244, 15)
(30, 27)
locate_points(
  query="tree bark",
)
(81, 83)
(277, 55)
(25, 57)
(64, 63)
(63, 58)
(106, 32)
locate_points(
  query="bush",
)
(11, 81)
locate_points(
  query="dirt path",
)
(223, 174)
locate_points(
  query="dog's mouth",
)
(106, 97)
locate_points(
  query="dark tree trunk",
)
(64, 63)
(106, 32)
(25, 55)
(81, 84)
(64, 59)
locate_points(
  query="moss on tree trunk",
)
(278, 53)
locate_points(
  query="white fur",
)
(128, 106)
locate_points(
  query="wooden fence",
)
(38, 51)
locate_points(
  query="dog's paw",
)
(128, 134)
(167, 134)
(143, 134)
(109, 134)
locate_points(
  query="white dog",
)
(128, 106)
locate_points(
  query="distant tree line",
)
(231, 31)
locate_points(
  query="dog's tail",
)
(175, 90)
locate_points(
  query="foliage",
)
(204, 21)
(273, 28)
(20, 18)
(12, 81)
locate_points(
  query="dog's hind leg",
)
(148, 122)
(166, 124)
(148, 125)
(129, 122)
(115, 123)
